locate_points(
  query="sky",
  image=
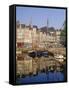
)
(39, 16)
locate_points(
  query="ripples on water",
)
(42, 77)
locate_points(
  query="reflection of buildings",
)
(28, 37)
(24, 64)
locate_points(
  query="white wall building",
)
(27, 35)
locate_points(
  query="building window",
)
(20, 45)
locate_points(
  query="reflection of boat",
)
(51, 68)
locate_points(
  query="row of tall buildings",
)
(32, 37)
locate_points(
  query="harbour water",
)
(42, 77)
(35, 70)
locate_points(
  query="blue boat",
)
(39, 54)
(45, 53)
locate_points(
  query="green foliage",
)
(63, 35)
(63, 32)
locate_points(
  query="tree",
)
(63, 35)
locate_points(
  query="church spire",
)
(30, 23)
(47, 25)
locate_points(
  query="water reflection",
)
(42, 77)
(39, 66)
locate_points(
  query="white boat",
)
(59, 57)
